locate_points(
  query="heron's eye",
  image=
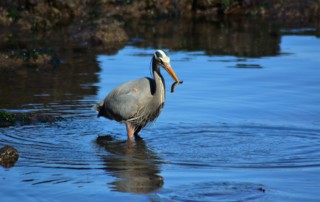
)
(159, 55)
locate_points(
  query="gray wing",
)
(127, 100)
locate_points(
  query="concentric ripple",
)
(240, 146)
(59, 145)
(66, 153)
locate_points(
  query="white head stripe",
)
(162, 55)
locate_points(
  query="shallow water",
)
(242, 126)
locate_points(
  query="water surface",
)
(244, 125)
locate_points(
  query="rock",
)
(8, 156)
(37, 58)
(104, 33)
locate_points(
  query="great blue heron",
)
(138, 102)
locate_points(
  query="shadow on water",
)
(242, 37)
(43, 88)
(135, 166)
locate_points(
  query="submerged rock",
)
(10, 119)
(8, 156)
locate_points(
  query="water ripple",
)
(65, 145)
(241, 146)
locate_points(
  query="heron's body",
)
(129, 101)
(140, 101)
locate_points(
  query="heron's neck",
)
(159, 81)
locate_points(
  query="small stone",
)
(8, 156)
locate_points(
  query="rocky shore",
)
(101, 23)
(49, 14)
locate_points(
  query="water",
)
(244, 125)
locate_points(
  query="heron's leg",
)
(136, 135)
(130, 131)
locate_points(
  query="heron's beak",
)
(169, 69)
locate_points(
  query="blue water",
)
(237, 129)
(283, 90)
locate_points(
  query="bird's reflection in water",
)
(134, 165)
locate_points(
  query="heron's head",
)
(163, 59)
